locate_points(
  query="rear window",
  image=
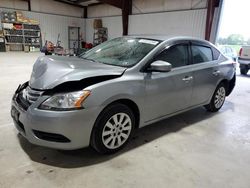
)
(201, 54)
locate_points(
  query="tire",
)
(243, 70)
(113, 129)
(218, 99)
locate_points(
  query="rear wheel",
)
(113, 129)
(218, 99)
(243, 70)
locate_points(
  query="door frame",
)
(78, 40)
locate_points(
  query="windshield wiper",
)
(115, 65)
(91, 60)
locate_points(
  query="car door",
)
(169, 92)
(206, 73)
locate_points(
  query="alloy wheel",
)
(116, 130)
(219, 97)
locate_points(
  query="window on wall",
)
(176, 55)
(201, 54)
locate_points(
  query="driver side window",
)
(177, 55)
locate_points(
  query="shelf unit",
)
(100, 35)
(22, 37)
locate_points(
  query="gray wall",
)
(147, 6)
(167, 17)
(52, 25)
(44, 6)
(186, 22)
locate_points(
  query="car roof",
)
(168, 37)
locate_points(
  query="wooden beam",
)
(81, 1)
(29, 5)
(69, 3)
(126, 7)
(210, 16)
(94, 4)
(126, 10)
(85, 13)
(116, 3)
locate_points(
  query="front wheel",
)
(113, 129)
(218, 99)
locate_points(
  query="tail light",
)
(240, 52)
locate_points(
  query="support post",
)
(125, 17)
(85, 13)
(126, 7)
(29, 5)
(210, 16)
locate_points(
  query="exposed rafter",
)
(116, 3)
(68, 2)
(124, 5)
(211, 5)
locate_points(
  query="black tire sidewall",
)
(211, 107)
(105, 115)
(243, 70)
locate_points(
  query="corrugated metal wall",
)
(114, 25)
(147, 6)
(189, 23)
(52, 25)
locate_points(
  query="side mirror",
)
(160, 66)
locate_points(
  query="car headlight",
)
(65, 101)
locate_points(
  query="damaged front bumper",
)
(55, 129)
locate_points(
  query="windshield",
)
(123, 51)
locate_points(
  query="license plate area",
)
(15, 115)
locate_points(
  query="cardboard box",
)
(97, 23)
(26, 48)
(7, 48)
(7, 25)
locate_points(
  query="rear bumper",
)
(65, 130)
(231, 85)
(244, 62)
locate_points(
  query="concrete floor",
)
(194, 149)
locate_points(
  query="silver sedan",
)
(101, 97)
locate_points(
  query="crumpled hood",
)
(50, 71)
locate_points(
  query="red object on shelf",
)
(18, 26)
(88, 45)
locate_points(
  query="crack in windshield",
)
(123, 51)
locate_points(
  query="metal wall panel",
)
(114, 25)
(188, 23)
(52, 25)
(147, 6)
(54, 7)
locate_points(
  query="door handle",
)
(216, 73)
(187, 78)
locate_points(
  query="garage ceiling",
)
(126, 7)
(80, 3)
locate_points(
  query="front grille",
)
(22, 102)
(32, 95)
(52, 137)
(27, 97)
